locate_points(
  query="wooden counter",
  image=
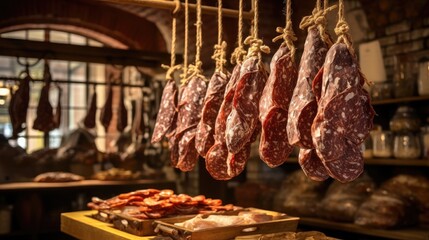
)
(81, 226)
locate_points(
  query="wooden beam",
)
(58, 51)
(171, 5)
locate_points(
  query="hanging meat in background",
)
(58, 108)
(138, 124)
(44, 115)
(274, 147)
(89, 120)
(204, 138)
(122, 113)
(18, 105)
(106, 113)
(167, 111)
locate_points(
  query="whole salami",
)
(204, 138)
(106, 112)
(44, 115)
(274, 147)
(344, 117)
(303, 107)
(167, 111)
(122, 120)
(216, 157)
(189, 114)
(242, 121)
(89, 120)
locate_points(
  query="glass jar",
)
(382, 142)
(405, 77)
(406, 145)
(405, 120)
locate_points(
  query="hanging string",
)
(256, 44)
(195, 70)
(184, 75)
(287, 33)
(173, 67)
(318, 19)
(342, 29)
(239, 52)
(219, 54)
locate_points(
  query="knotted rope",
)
(287, 33)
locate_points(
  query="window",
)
(76, 78)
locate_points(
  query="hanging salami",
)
(122, 113)
(44, 115)
(58, 113)
(344, 117)
(89, 120)
(274, 147)
(167, 111)
(106, 112)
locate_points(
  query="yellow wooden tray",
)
(82, 226)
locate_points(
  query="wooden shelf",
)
(400, 100)
(31, 186)
(385, 161)
(407, 233)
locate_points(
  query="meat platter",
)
(176, 229)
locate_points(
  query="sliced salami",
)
(312, 165)
(204, 138)
(244, 116)
(167, 111)
(303, 105)
(274, 148)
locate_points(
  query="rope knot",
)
(219, 55)
(170, 70)
(341, 28)
(238, 55)
(256, 46)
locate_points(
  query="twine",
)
(238, 54)
(219, 54)
(287, 33)
(184, 74)
(318, 19)
(173, 67)
(342, 29)
(256, 44)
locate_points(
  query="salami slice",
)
(204, 138)
(274, 148)
(303, 105)
(167, 111)
(312, 165)
(244, 116)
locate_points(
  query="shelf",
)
(81, 226)
(400, 100)
(407, 233)
(386, 161)
(31, 186)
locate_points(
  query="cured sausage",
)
(216, 156)
(57, 115)
(311, 165)
(89, 120)
(122, 113)
(243, 118)
(44, 114)
(189, 114)
(19, 106)
(344, 117)
(274, 147)
(204, 138)
(303, 107)
(106, 111)
(167, 111)
(138, 127)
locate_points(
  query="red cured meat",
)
(274, 147)
(122, 120)
(89, 120)
(57, 115)
(167, 111)
(204, 138)
(303, 105)
(243, 119)
(188, 155)
(106, 113)
(312, 165)
(19, 106)
(317, 84)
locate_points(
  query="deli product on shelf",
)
(386, 209)
(117, 174)
(299, 195)
(58, 177)
(154, 203)
(342, 200)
